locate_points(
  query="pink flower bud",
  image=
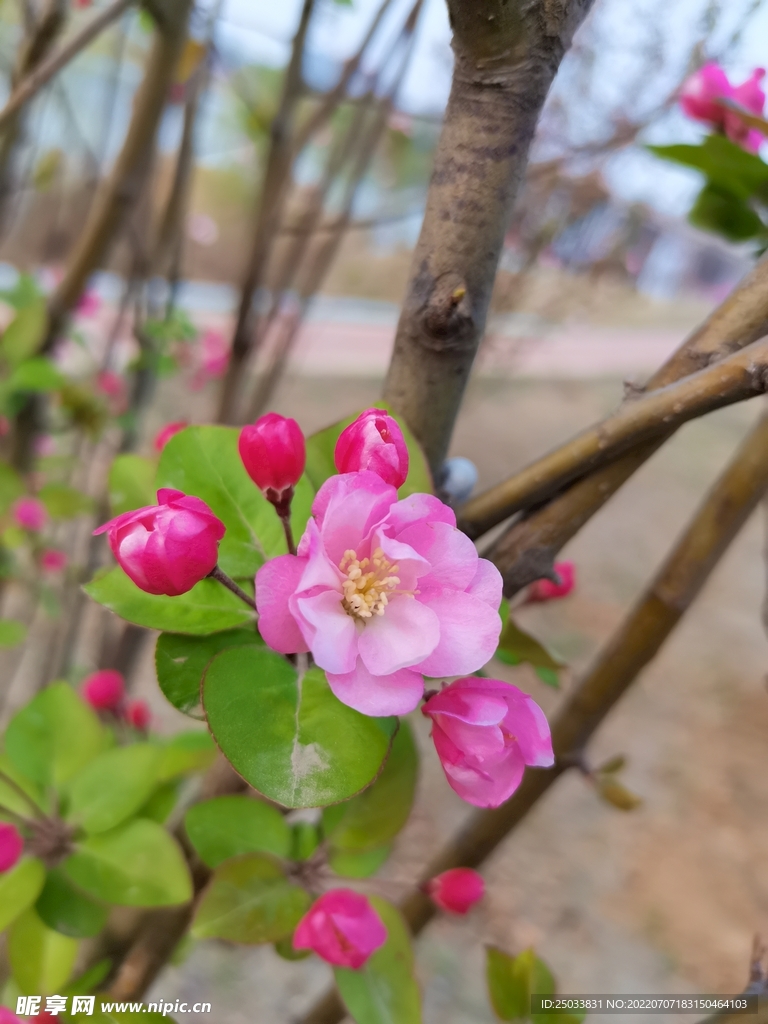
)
(168, 431)
(546, 590)
(11, 846)
(110, 384)
(273, 453)
(30, 514)
(169, 547)
(341, 927)
(104, 689)
(53, 560)
(457, 890)
(138, 715)
(374, 442)
(485, 732)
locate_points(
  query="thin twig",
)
(217, 574)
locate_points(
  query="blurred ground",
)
(665, 899)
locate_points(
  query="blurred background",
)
(280, 204)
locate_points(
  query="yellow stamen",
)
(367, 590)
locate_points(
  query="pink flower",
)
(375, 442)
(138, 715)
(485, 732)
(202, 229)
(52, 560)
(104, 689)
(273, 453)
(30, 514)
(110, 384)
(8, 1017)
(215, 354)
(546, 590)
(168, 431)
(45, 445)
(701, 95)
(383, 592)
(11, 846)
(457, 890)
(341, 927)
(89, 303)
(169, 547)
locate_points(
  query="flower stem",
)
(217, 574)
(286, 521)
(12, 784)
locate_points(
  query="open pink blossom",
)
(457, 890)
(485, 732)
(104, 689)
(30, 514)
(169, 547)
(702, 95)
(382, 592)
(11, 846)
(547, 590)
(341, 927)
(138, 715)
(168, 431)
(52, 560)
(375, 442)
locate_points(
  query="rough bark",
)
(526, 550)
(506, 56)
(637, 641)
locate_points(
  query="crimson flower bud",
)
(456, 891)
(138, 715)
(169, 547)
(30, 514)
(546, 590)
(342, 927)
(103, 690)
(274, 455)
(374, 442)
(11, 846)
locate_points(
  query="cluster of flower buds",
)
(105, 691)
(705, 97)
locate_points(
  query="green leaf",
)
(25, 333)
(38, 374)
(11, 487)
(113, 787)
(135, 865)
(186, 752)
(41, 959)
(305, 839)
(131, 480)
(249, 900)
(180, 662)
(207, 608)
(358, 865)
(11, 798)
(86, 982)
(159, 806)
(54, 736)
(64, 502)
(516, 646)
(19, 888)
(720, 211)
(384, 990)
(373, 819)
(12, 633)
(289, 737)
(513, 980)
(320, 464)
(62, 907)
(229, 826)
(284, 948)
(204, 461)
(613, 792)
(548, 676)
(724, 163)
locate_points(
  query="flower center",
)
(368, 582)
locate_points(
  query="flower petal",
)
(346, 508)
(469, 635)
(477, 786)
(487, 583)
(528, 724)
(330, 632)
(404, 635)
(451, 554)
(276, 581)
(395, 694)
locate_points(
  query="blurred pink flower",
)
(53, 560)
(138, 715)
(169, 547)
(202, 229)
(45, 445)
(701, 92)
(104, 690)
(375, 442)
(546, 590)
(485, 732)
(342, 927)
(11, 846)
(164, 435)
(89, 303)
(30, 514)
(8, 1017)
(383, 592)
(212, 358)
(457, 890)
